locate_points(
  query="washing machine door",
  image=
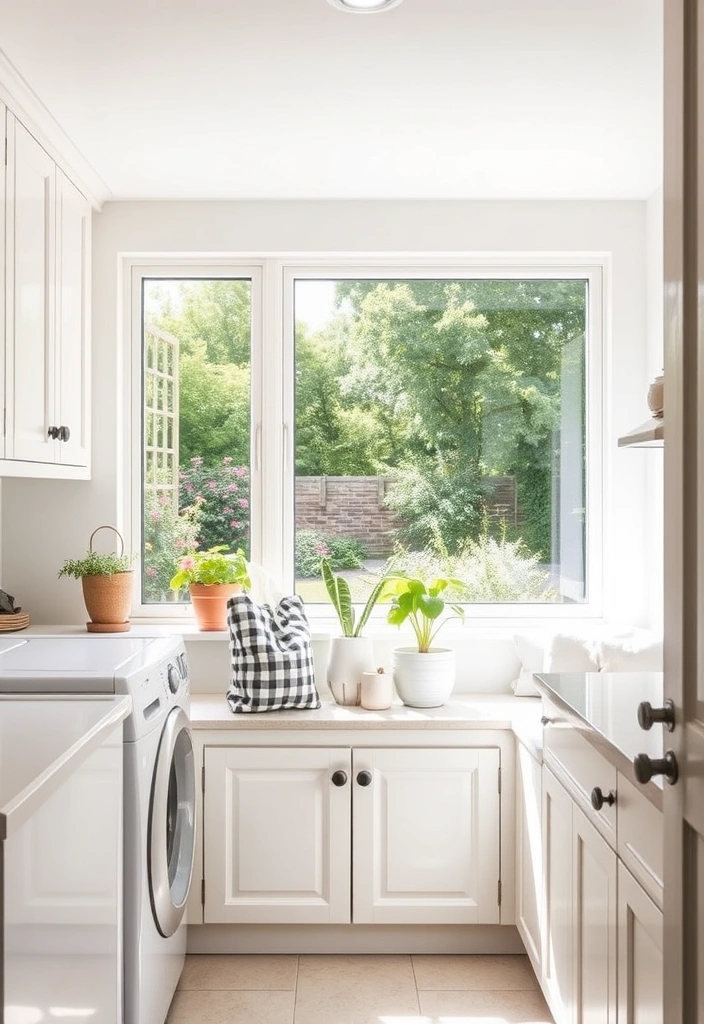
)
(172, 820)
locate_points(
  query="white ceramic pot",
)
(349, 657)
(424, 680)
(377, 691)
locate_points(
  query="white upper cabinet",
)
(47, 255)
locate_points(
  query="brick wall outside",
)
(352, 506)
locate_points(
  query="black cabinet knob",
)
(64, 433)
(54, 433)
(648, 715)
(364, 778)
(646, 768)
(339, 778)
(598, 798)
(545, 720)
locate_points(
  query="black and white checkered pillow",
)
(272, 658)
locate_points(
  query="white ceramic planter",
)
(424, 680)
(350, 656)
(377, 691)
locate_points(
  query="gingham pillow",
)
(272, 658)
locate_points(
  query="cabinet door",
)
(557, 898)
(529, 854)
(276, 835)
(73, 319)
(640, 954)
(426, 836)
(31, 329)
(594, 924)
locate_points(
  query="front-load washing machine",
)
(159, 790)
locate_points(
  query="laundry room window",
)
(196, 423)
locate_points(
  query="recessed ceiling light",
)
(364, 6)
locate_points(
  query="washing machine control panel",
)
(155, 687)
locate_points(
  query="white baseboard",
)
(350, 938)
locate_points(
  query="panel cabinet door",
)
(529, 854)
(276, 835)
(31, 328)
(73, 319)
(594, 924)
(640, 954)
(426, 836)
(557, 898)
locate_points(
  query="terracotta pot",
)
(107, 600)
(209, 602)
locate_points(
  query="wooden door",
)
(640, 954)
(277, 835)
(683, 900)
(557, 955)
(529, 857)
(73, 319)
(31, 328)
(426, 836)
(593, 924)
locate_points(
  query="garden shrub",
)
(168, 535)
(341, 552)
(221, 492)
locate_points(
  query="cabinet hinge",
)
(202, 892)
(202, 779)
(499, 892)
(499, 780)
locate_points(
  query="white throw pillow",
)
(625, 657)
(530, 651)
(571, 654)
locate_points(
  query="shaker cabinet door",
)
(426, 836)
(529, 854)
(277, 835)
(640, 954)
(557, 963)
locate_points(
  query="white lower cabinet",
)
(557, 975)
(640, 954)
(529, 855)
(291, 832)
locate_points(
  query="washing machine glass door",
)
(172, 833)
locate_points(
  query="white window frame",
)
(272, 413)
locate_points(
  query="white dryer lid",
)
(67, 664)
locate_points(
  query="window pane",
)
(442, 424)
(196, 428)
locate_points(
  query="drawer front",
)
(640, 838)
(580, 768)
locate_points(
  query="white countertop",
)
(466, 711)
(42, 742)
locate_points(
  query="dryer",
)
(159, 790)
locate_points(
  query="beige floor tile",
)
(526, 1007)
(197, 1007)
(234, 973)
(356, 990)
(469, 973)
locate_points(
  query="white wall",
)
(45, 522)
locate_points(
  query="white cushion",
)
(626, 657)
(571, 654)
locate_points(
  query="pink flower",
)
(321, 549)
(151, 571)
(243, 503)
(180, 543)
(212, 485)
(154, 514)
(164, 499)
(231, 487)
(240, 471)
(228, 511)
(196, 460)
(187, 563)
(235, 524)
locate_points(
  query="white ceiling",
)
(295, 99)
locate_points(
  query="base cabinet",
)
(338, 835)
(640, 954)
(557, 958)
(529, 855)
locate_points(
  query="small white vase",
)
(349, 657)
(377, 691)
(424, 680)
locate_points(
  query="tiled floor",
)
(336, 989)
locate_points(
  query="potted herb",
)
(107, 585)
(423, 675)
(351, 654)
(212, 577)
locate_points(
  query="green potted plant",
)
(107, 585)
(423, 675)
(212, 577)
(351, 654)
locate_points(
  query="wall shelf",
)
(650, 434)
